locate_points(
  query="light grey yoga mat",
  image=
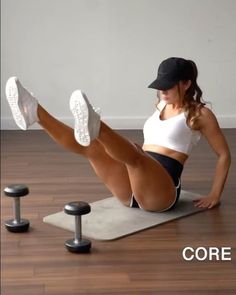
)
(109, 219)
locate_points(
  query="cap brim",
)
(162, 85)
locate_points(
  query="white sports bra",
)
(172, 133)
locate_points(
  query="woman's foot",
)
(22, 103)
(87, 120)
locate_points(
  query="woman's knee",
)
(139, 156)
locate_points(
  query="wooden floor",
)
(149, 262)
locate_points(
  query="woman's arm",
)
(209, 127)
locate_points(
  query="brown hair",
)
(192, 100)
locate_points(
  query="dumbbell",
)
(16, 191)
(78, 245)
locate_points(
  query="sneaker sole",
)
(79, 109)
(12, 95)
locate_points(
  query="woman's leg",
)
(118, 163)
(113, 173)
(151, 184)
(26, 111)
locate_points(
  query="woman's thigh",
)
(151, 184)
(148, 180)
(113, 173)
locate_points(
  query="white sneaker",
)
(87, 120)
(22, 103)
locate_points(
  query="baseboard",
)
(7, 123)
(227, 121)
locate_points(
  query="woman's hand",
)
(206, 202)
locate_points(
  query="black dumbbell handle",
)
(78, 229)
(16, 208)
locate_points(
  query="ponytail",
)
(192, 101)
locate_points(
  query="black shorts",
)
(174, 168)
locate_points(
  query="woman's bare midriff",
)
(181, 157)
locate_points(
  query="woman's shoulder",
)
(206, 112)
(206, 117)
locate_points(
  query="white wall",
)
(111, 49)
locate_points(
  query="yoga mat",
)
(110, 220)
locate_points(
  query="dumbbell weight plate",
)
(17, 227)
(16, 190)
(82, 246)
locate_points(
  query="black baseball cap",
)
(170, 72)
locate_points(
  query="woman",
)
(147, 177)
